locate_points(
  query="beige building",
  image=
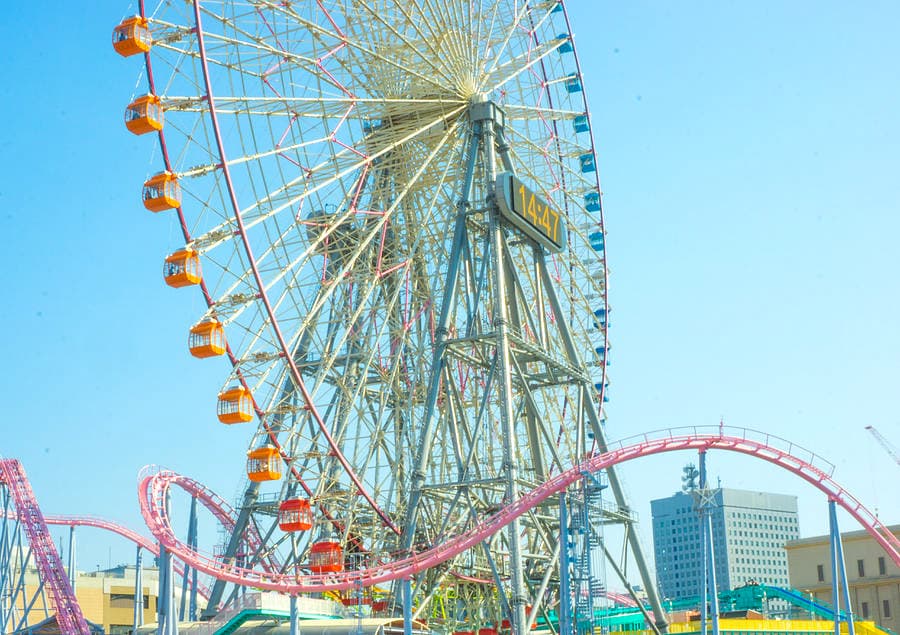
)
(873, 578)
(106, 598)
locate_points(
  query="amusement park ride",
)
(392, 212)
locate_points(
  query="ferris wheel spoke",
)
(311, 185)
(511, 69)
(430, 57)
(357, 46)
(367, 240)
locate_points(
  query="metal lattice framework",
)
(416, 360)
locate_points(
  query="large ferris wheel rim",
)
(237, 215)
(263, 296)
(261, 287)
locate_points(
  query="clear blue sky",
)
(749, 158)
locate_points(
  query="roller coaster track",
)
(219, 508)
(222, 511)
(620, 598)
(68, 614)
(125, 532)
(153, 489)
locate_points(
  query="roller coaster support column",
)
(838, 567)
(167, 621)
(565, 586)
(192, 542)
(138, 591)
(406, 592)
(72, 556)
(231, 549)
(710, 590)
(5, 560)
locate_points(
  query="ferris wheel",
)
(392, 211)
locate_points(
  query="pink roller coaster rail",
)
(153, 487)
(68, 614)
(125, 532)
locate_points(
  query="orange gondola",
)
(162, 192)
(132, 36)
(144, 114)
(326, 557)
(207, 339)
(235, 405)
(263, 464)
(295, 514)
(182, 268)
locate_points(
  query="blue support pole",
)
(171, 615)
(192, 542)
(838, 567)
(138, 592)
(710, 592)
(565, 589)
(5, 560)
(192, 612)
(293, 615)
(406, 586)
(162, 593)
(167, 623)
(713, 588)
(704, 581)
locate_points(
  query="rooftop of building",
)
(859, 534)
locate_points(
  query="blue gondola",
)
(592, 201)
(597, 241)
(588, 163)
(565, 47)
(573, 83)
(581, 124)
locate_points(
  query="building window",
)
(865, 610)
(860, 568)
(886, 608)
(881, 568)
(820, 572)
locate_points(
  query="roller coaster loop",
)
(153, 487)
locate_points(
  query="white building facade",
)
(750, 530)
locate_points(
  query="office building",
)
(750, 530)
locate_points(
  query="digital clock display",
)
(530, 213)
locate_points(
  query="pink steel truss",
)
(68, 614)
(153, 487)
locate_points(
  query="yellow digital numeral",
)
(532, 210)
(555, 230)
(545, 219)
